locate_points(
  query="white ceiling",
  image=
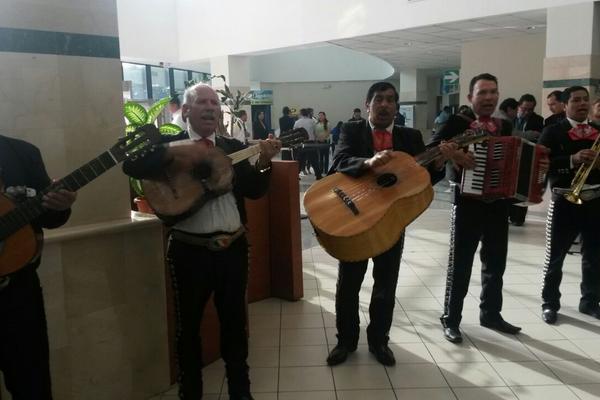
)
(439, 46)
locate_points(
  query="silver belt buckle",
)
(219, 242)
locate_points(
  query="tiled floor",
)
(290, 341)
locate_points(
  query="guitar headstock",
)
(136, 143)
(293, 137)
(470, 136)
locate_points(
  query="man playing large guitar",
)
(24, 353)
(366, 145)
(208, 251)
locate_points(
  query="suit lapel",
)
(368, 136)
(398, 140)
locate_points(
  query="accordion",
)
(507, 167)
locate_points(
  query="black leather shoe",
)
(500, 325)
(383, 354)
(338, 355)
(549, 315)
(592, 310)
(452, 334)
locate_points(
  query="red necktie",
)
(485, 123)
(583, 132)
(382, 140)
(207, 142)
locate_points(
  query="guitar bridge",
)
(347, 200)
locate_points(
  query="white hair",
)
(190, 94)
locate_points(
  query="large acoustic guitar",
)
(358, 218)
(19, 243)
(181, 191)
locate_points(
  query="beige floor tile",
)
(263, 357)
(404, 334)
(294, 379)
(213, 380)
(263, 380)
(416, 376)
(538, 331)
(360, 377)
(264, 338)
(525, 373)
(553, 350)
(411, 353)
(311, 306)
(299, 321)
(470, 374)
(587, 391)
(454, 352)
(505, 351)
(303, 356)
(264, 321)
(488, 393)
(544, 393)
(429, 394)
(365, 394)
(575, 329)
(268, 306)
(303, 337)
(259, 396)
(329, 395)
(576, 371)
(589, 346)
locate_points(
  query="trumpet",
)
(573, 195)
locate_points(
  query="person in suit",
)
(529, 125)
(569, 142)
(286, 122)
(208, 251)
(365, 145)
(259, 127)
(556, 107)
(474, 220)
(24, 352)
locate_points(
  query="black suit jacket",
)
(556, 138)
(248, 181)
(535, 122)
(554, 119)
(355, 146)
(21, 164)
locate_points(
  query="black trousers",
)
(324, 158)
(473, 221)
(24, 353)
(517, 214)
(310, 155)
(383, 298)
(196, 274)
(565, 221)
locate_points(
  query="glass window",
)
(198, 76)
(137, 75)
(180, 77)
(160, 82)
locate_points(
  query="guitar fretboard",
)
(30, 209)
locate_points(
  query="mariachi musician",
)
(24, 353)
(366, 144)
(208, 250)
(570, 142)
(474, 220)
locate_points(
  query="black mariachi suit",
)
(24, 353)
(566, 220)
(197, 272)
(472, 221)
(354, 147)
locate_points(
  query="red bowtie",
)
(382, 140)
(486, 124)
(583, 132)
(207, 142)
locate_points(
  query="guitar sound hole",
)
(202, 171)
(387, 180)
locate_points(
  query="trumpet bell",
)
(573, 198)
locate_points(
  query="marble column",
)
(572, 49)
(103, 275)
(413, 91)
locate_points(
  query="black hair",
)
(527, 97)
(557, 94)
(508, 103)
(304, 112)
(566, 94)
(356, 110)
(482, 77)
(381, 87)
(286, 110)
(241, 113)
(175, 100)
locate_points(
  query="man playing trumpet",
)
(575, 208)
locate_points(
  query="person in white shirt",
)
(239, 131)
(175, 110)
(208, 250)
(308, 154)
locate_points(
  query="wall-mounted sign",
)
(259, 97)
(450, 81)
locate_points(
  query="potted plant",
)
(137, 116)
